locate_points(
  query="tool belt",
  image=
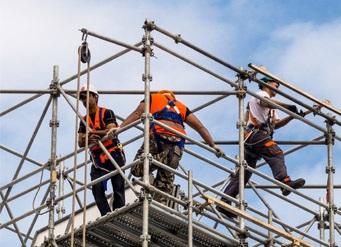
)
(99, 154)
(170, 138)
(99, 151)
(261, 127)
(252, 129)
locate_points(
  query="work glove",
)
(112, 133)
(301, 113)
(219, 152)
(293, 108)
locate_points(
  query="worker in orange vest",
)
(101, 120)
(166, 146)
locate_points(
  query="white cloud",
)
(307, 56)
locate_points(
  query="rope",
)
(86, 148)
(35, 196)
(254, 143)
(75, 152)
(81, 54)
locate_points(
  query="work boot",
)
(228, 214)
(295, 184)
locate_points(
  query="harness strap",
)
(268, 126)
(160, 139)
(253, 120)
(167, 114)
(171, 103)
(101, 123)
(156, 136)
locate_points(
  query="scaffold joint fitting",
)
(145, 238)
(330, 169)
(143, 117)
(244, 163)
(149, 77)
(244, 203)
(240, 123)
(54, 123)
(149, 25)
(178, 39)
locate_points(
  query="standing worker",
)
(101, 120)
(258, 143)
(166, 146)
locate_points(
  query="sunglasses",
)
(82, 96)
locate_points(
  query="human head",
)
(92, 90)
(266, 79)
(167, 93)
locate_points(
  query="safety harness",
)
(267, 127)
(174, 117)
(253, 128)
(98, 157)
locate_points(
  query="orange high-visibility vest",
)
(158, 104)
(99, 124)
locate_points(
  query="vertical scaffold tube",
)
(190, 208)
(53, 173)
(322, 224)
(241, 125)
(330, 170)
(147, 159)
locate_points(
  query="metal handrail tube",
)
(196, 65)
(179, 39)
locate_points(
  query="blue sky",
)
(298, 41)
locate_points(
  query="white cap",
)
(92, 89)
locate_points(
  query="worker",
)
(101, 120)
(165, 146)
(258, 142)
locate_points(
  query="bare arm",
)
(278, 122)
(81, 139)
(135, 115)
(195, 124)
(282, 122)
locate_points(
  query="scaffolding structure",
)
(190, 219)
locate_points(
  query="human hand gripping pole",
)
(112, 133)
(219, 152)
(294, 109)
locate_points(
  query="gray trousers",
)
(259, 145)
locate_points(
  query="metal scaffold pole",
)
(330, 170)
(61, 177)
(54, 124)
(190, 209)
(242, 164)
(147, 78)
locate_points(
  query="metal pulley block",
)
(85, 54)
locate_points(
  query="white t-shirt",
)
(260, 113)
